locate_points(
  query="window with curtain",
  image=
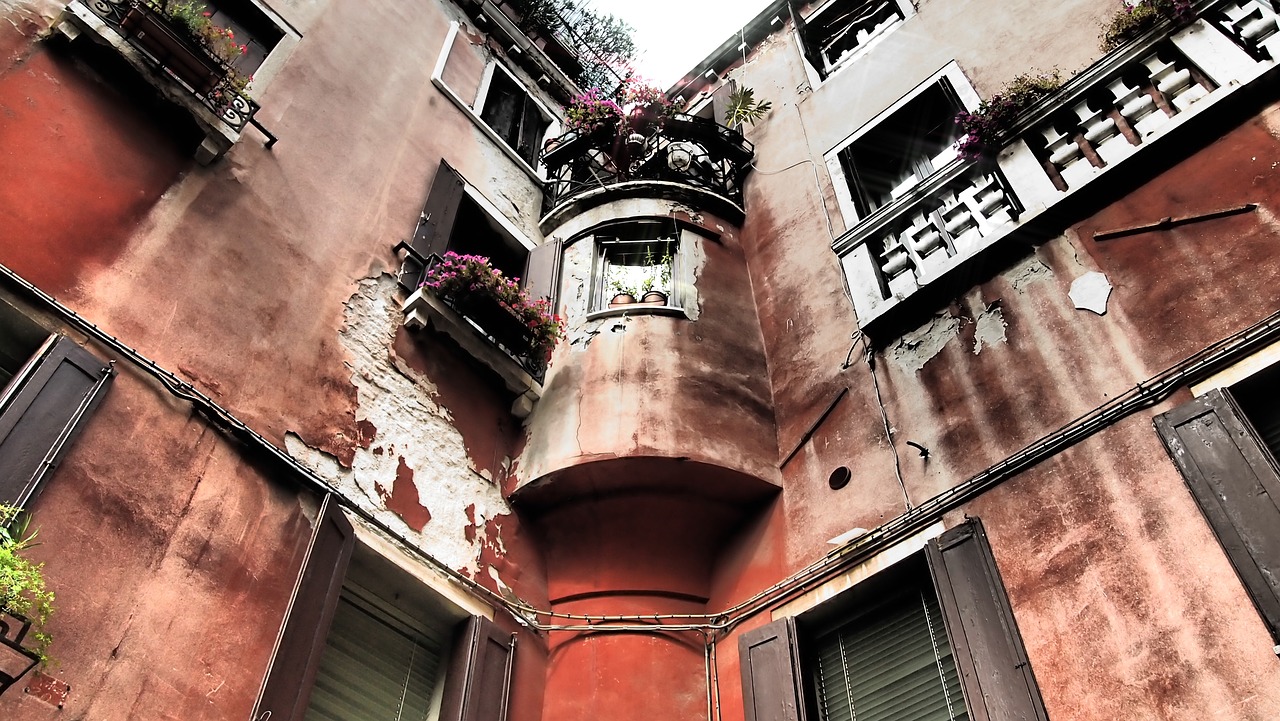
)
(378, 665)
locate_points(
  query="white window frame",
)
(963, 89)
(822, 75)
(472, 110)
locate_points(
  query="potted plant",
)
(984, 129)
(497, 304)
(744, 108)
(183, 37)
(25, 602)
(1130, 21)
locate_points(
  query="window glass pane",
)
(637, 268)
(503, 107)
(374, 668)
(903, 149)
(841, 29)
(891, 662)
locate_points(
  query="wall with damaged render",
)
(264, 281)
(1127, 604)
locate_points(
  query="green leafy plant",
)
(22, 586)
(1130, 21)
(197, 21)
(604, 43)
(985, 129)
(744, 108)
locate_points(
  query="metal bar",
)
(1167, 223)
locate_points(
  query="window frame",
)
(819, 64)
(991, 661)
(476, 680)
(469, 109)
(680, 293)
(482, 98)
(959, 87)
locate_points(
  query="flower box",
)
(179, 54)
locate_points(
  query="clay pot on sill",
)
(622, 299)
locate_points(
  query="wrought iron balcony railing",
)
(208, 77)
(682, 149)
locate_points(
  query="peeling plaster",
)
(1090, 292)
(419, 454)
(1029, 270)
(989, 328)
(913, 350)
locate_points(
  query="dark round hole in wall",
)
(839, 478)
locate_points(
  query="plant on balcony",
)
(22, 588)
(467, 279)
(605, 44)
(985, 129)
(1130, 21)
(744, 108)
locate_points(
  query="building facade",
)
(883, 430)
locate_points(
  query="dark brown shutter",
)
(54, 394)
(997, 680)
(771, 673)
(542, 270)
(287, 686)
(1235, 483)
(477, 686)
(431, 237)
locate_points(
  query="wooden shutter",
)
(478, 684)
(47, 402)
(771, 673)
(431, 237)
(1234, 481)
(994, 672)
(292, 672)
(542, 270)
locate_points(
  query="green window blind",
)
(375, 666)
(891, 662)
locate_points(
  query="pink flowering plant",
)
(458, 276)
(592, 110)
(1130, 21)
(984, 129)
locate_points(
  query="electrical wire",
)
(1143, 395)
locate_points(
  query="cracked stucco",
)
(915, 349)
(989, 328)
(397, 401)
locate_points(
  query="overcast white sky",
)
(673, 35)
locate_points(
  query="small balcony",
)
(486, 330)
(902, 260)
(682, 157)
(181, 68)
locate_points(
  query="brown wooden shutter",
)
(771, 673)
(477, 686)
(994, 672)
(55, 393)
(1235, 483)
(542, 270)
(431, 237)
(287, 686)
